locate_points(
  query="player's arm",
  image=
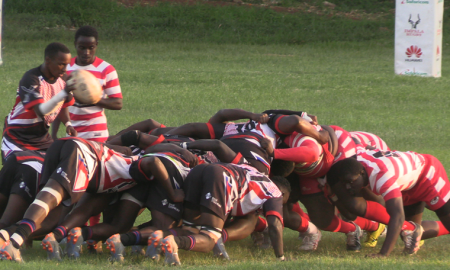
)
(289, 124)
(220, 150)
(194, 130)
(112, 90)
(236, 114)
(137, 138)
(170, 147)
(312, 118)
(110, 103)
(153, 166)
(143, 126)
(64, 117)
(394, 208)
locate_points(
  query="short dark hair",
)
(86, 31)
(345, 167)
(280, 167)
(54, 48)
(281, 182)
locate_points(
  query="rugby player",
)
(71, 167)
(226, 189)
(408, 182)
(42, 96)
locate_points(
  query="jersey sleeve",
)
(216, 130)
(308, 153)
(274, 207)
(112, 85)
(29, 91)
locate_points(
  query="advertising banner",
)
(418, 37)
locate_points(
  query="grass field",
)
(350, 84)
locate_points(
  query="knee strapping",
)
(189, 225)
(212, 232)
(54, 193)
(43, 205)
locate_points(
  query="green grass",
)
(350, 84)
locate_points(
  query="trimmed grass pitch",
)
(348, 84)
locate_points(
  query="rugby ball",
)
(87, 88)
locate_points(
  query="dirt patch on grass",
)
(326, 9)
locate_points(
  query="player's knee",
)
(213, 234)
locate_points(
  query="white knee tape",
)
(42, 204)
(5, 234)
(55, 194)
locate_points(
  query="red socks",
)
(338, 225)
(297, 209)
(442, 229)
(365, 224)
(261, 225)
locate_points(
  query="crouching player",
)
(407, 181)
(71, 167)
(226, 189)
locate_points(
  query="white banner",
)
(418, 37)
(1, 4)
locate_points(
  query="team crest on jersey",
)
(208, 196)
(434, 201)
(164, 202)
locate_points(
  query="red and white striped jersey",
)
(113, 174)
(24, 129)
(248, 190)
(90, 121)
(391, 172)
(346, 145)
(370, 139)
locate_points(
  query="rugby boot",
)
(220, 251)
(74, 242)
(154, 245)
(310, 240)
(412, 239)
(137, 250)
(354, 239)
(372, 237)
(116, 248)
(52, 247)
(94, 247)
(10, 253)
(170, 248)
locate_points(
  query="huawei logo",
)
(413, 50)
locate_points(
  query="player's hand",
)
(266, 144)
(313, 119)
(376, 256)
(260, 117)
(71, 131)
(189, 157)
(69, 86)
(178, 195)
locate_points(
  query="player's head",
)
(282, 168)
(283, 185)
(57, 57)
(86, 41)
(349, 172)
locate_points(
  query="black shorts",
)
(155, 197)
(20, 174)
(254, 154)
(204, 186)
(65, 163)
